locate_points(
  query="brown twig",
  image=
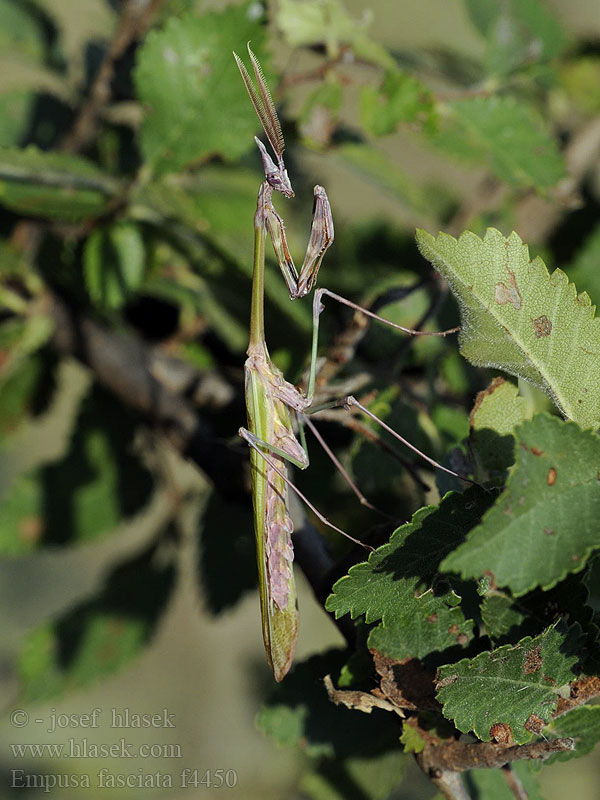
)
(135, 19)
(460, 756)
(514, 783)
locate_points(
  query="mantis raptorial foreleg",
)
(270, 399)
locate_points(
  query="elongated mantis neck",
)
(257, 307)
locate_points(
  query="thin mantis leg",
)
(361, 498)
(318, 308)
(349, 401)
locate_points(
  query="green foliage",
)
(583, 724)
(186, 78)
(396, 584)
(128, 185)
(498, 410)
(492, 784)
(355, 778)
(402, 99)
(299, 712)
(314, 22)
(52, 184)
(517, 33)
(583, 271)
(505, 132)
(513, 687)
(114, 262)
(550, 505)
(97, 637)
(518, 318)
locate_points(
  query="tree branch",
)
(135, 19)
(461, 756)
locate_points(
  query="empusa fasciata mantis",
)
(270, 398)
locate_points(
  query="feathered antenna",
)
(263, 103)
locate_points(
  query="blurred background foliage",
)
(128, 180)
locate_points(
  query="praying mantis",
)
(271, 401)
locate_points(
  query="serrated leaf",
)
(514, 687)
(114, 262)
(551, 505)
(401, 99)
(53, 185)
(99, 636)
(499, 614)
(497, 411)
(518, 318)
(396, 585)
(300, 713)
(508, 134)
(315, 22)
(188, 80)
(582, 724)
(411, 739)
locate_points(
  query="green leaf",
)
(114, 262)
(492, 784)
(516, 687)
(582, 724)
(401, 99)
(19, 28)
(518, 318)
(196, 100)
(357, 778)
(411, 739)
(496, 413)
(551, 505)
(584, 271)
(518, 32)
(397, 584)
(507, 620)
(19, 338)
(98, 637)
(300, 713)
(580, 79)
(53, 185)
(318, 22)
(85, 493)
(18, 391)
(508, 134)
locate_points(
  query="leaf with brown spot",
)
(501, 733)
(559, 352)
(496, 686)
(542, 326)
(558, 516)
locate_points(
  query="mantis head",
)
(276, 175)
